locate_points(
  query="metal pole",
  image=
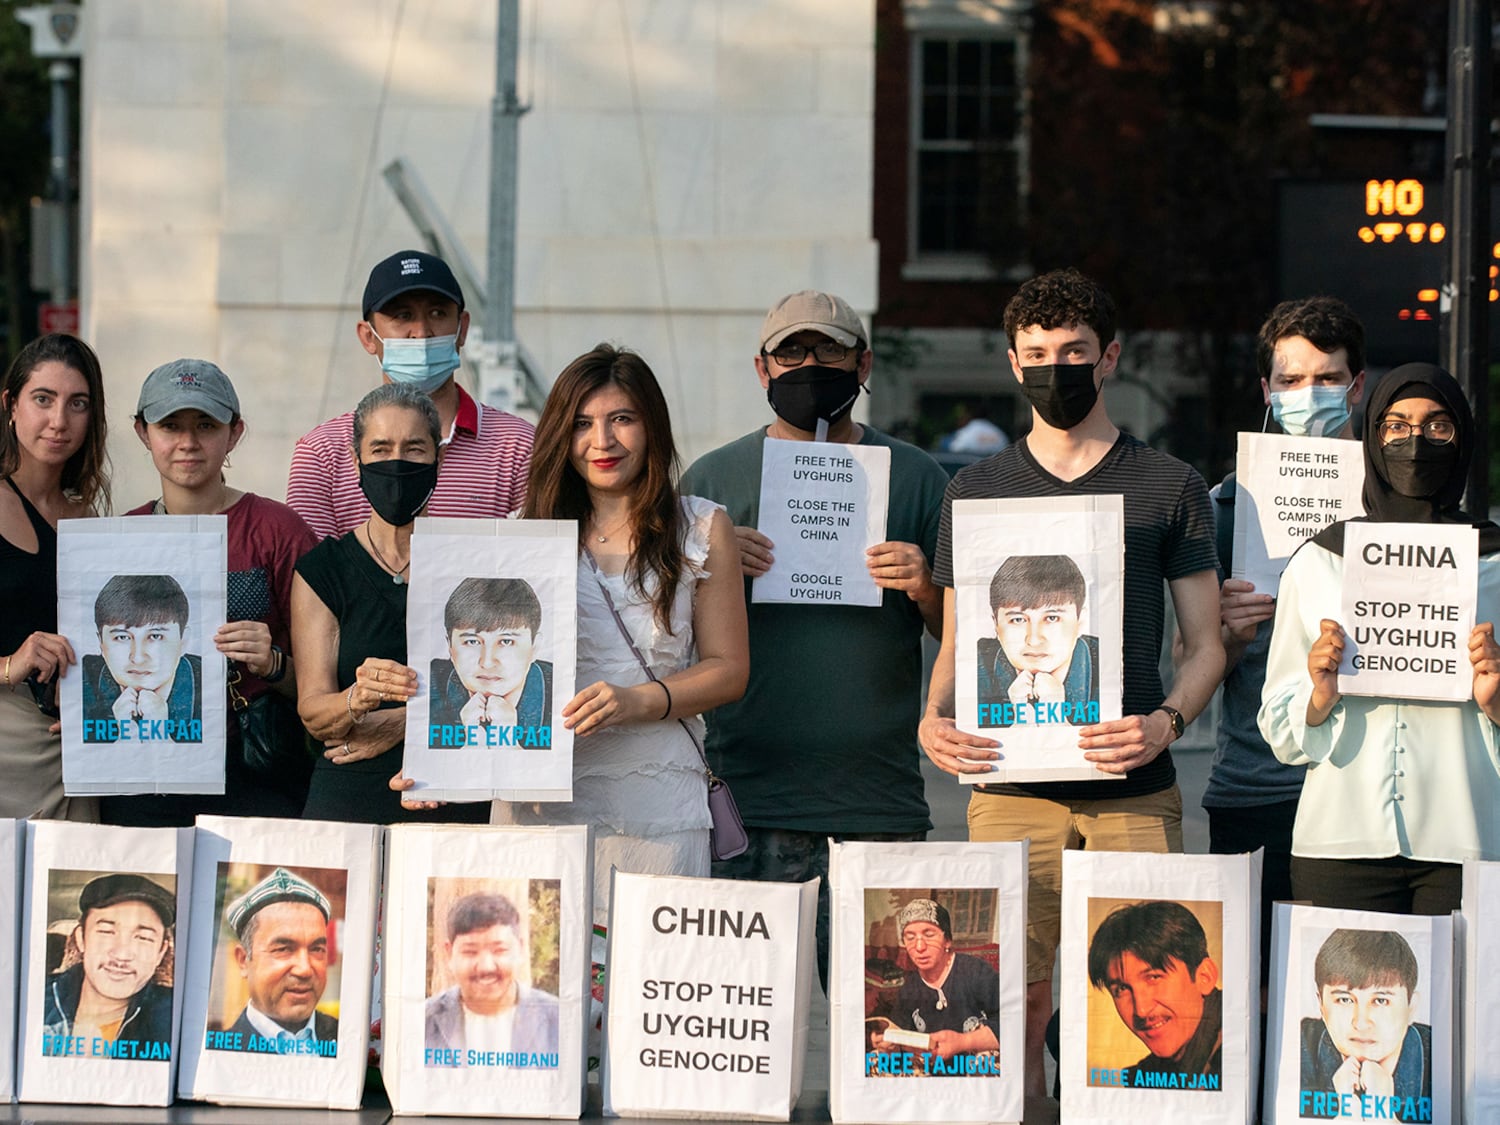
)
(61, 74)
(1465, 305)
(505, 116)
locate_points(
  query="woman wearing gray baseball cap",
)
(188, 418)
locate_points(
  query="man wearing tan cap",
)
(824, 743)
(282, 927)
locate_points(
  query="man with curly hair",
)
(1061, 328)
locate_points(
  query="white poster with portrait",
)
(1160, 961)
(1361, 1020)
(12, 852)
(927, 982)
(276, 1008)
(1409, 601)
(1481, 968)
(487, 971)
(492, 631)
(822, 504)
(1039, 589)
(99, 962)
(706, 997)
(140, 599)
(1287, 489)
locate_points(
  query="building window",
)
(968, 158)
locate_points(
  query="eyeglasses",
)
(1439, 431)
(824, 351)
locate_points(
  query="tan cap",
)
(812, 311)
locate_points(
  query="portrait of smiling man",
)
(1037, 654)
(487, 1009)
(281, 927)
(491, 676)
(142, 673)
(116, 981)
(1367, 1040)
(1152, 959)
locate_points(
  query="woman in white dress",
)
(604, 456)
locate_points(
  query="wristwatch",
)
(1178, 723)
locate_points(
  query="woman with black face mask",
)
(1399, 791)
(349, 620)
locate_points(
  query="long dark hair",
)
(555, 491)
(86, 474)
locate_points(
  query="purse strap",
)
(636, 652)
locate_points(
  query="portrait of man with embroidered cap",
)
(113, 988)
(943, 1018)
(280, 955)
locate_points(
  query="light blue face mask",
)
(1311, 411)
(423, 362)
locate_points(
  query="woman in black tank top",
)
(52, 460)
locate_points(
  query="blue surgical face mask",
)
(1311, 411)
(423, 362)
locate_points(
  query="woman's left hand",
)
(378, 681)
(369, 740)
(249, 643)
(602, 705)
(1484, 655)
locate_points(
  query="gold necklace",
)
(396, 578)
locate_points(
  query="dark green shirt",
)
(825, 739)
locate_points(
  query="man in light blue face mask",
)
(1311, 356)
(414, 324)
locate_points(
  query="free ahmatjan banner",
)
(1160, 960)
(928, 982)
(492, 627)
(140, 599)
(487, 966)
(276, 1011)
(100, 960)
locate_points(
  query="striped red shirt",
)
(482, 472)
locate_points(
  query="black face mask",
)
(397, 489)
(806, 394)
(1062, 393)
(1417, 467)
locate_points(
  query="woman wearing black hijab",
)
(1399, 791)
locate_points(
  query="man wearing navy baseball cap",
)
(414, 323)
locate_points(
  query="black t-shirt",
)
(1169, 534)
(371, 612)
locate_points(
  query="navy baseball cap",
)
(405, 271)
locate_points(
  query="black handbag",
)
(273, 742)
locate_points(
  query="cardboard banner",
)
(140, 599)
(1481, 968)
(1287, 489)
(902, 1049)
(12, 851)
(822, 504)
(276, 1011)
(99, 1010)
(1361, 1028)
(486, 981)
(492, 630)
(1408, 608)
(706, 997)
(1160, 996)
(1039, 585)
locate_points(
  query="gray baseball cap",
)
(188, 384)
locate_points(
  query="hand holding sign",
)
(1484, 655)
(755, 551)
(1242, 608)
(1323, 661)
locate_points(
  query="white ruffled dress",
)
(641, 785)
